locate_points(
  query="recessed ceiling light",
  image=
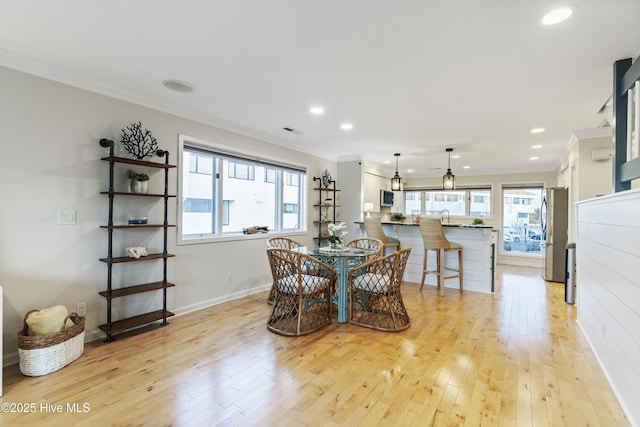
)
(534, 158)
(317, 111)
(387, 161)
(537, 130)
(558, 15)
(535, 147)
(409, 170)
(455, 156)
(346, 126)
(466, 167)
(178, 86)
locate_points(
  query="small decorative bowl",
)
(137, 221)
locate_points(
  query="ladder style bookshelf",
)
(144, 321)
(327, 193)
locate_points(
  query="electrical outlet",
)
(228, 277)
(81, 309)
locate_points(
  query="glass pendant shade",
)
(396, 181)
(449, 179)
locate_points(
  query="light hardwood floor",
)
(514, 358)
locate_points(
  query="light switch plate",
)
(66, 217)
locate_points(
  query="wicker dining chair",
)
(282, 243)
(367, 243)
(373, 228)
(376, 301)
(302, 301)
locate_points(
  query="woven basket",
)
(42, 355)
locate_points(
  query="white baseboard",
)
(97, 334)
(521, 261)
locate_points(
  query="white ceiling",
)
(413, 76)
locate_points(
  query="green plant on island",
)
(477, 221)
(398, 216)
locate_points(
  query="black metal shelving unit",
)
(145, 321)
(326, 212)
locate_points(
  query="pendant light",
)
(449, 179)
(396, 181)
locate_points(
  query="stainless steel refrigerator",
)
(555, 223)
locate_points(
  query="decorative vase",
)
(136, 186)
(336, 244)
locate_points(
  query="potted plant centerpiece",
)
(334, 234)
(138, 182)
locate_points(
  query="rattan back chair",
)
(302, 301)
(376, 301)
(368, 244)
(373, 228)
(282, 243)
(434, 240)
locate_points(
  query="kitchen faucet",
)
(448, 215)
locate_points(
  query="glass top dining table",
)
(342, 260)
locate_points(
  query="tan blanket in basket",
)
(48, 320)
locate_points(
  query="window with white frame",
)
(223, 192)
(522, 225)
(462, 202)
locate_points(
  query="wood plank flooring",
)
(514, 358)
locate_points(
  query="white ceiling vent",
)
(601, 154)
(292, 130)
(178, 86)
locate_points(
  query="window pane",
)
(521, 229)
(291, 201)
(240, 170)
(197, 205)
(205, 165)
(480, 203)
(251, 202)
(225, 212)
(270, 175)
(438, 201)
(412, 202)
(221, 195)
(292, 179)
(197, 194)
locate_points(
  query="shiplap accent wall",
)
(608, 289)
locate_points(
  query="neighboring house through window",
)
(220, 194)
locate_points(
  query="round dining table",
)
(343, 260)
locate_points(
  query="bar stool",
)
(434, 240)
(373, 228)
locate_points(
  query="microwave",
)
(386, 198)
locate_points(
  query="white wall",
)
(51, 160)
(608, 290)
(584, 177)
(350, 197)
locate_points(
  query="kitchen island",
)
(478, 253)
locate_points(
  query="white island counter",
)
(477, 252)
